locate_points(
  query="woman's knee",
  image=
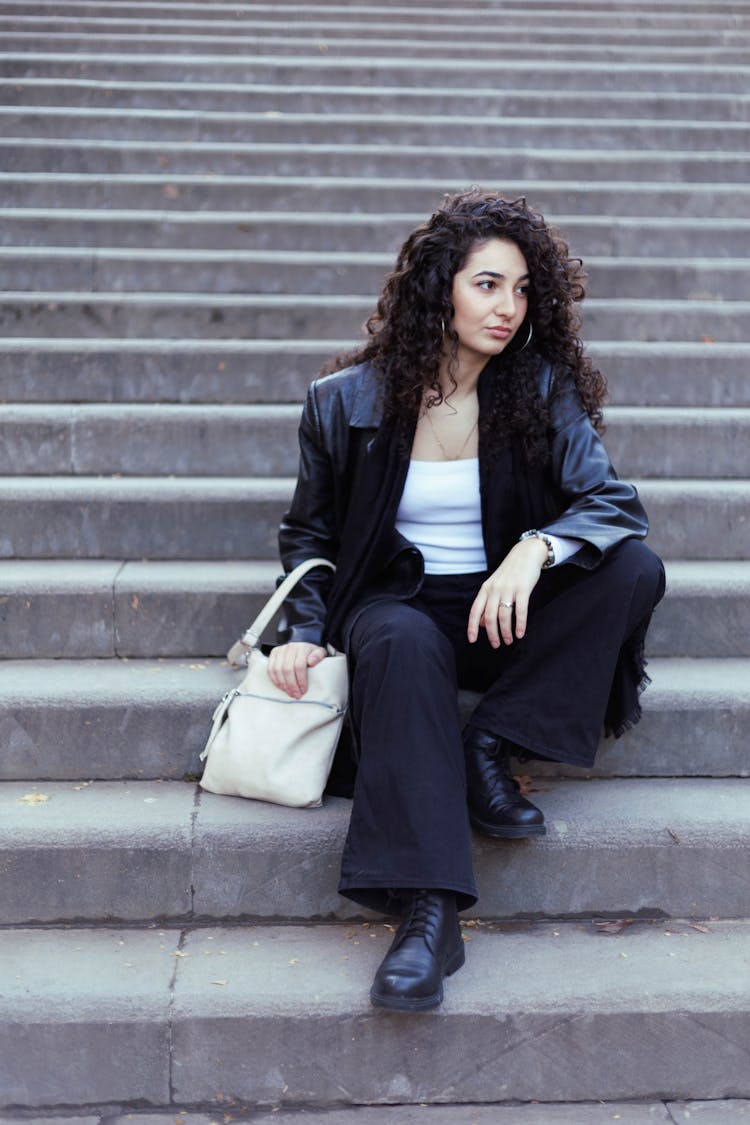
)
(397, 627)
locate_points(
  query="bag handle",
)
(237, 654)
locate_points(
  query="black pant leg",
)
(409, 825)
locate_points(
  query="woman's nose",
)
(504, 302)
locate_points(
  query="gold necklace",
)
(442, 448)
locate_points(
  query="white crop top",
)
(440, 514)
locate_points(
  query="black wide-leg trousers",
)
(548, 693)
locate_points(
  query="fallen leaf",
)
(701, 929)
(171, 191)
(222, 982)
(178, 953)
(615, 926)
(33, 799)
(707, 340)
(294, 961)
(134, 602)
(674, 836)
(526, 785)
(198, 667)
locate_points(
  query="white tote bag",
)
(264, 744)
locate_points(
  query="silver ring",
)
(508, 605)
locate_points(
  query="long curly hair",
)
(412, 323)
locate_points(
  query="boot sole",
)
(420, 1003)
(511, 832)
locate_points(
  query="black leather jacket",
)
(352, 474)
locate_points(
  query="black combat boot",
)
(496, 807)
(427, 947)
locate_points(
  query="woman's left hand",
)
(508, 589)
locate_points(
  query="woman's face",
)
(490, 299)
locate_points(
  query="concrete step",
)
(361, 196)
(146, 440)
(217, 96)
(87, 608)
(41, 369)
(236, 518)
(339, 272)
(650, 848)
(693, 13)
(39, 229)
(522, 161)
(320, 28)
(66, 313)
(527, 45)
(713, 1112)
(677, 74)
(120, 719)
(400, 128)
(543, 1008)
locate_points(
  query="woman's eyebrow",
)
(500, 276)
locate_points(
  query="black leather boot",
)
(496, 807)
(427, 947)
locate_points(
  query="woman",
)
(454, 473)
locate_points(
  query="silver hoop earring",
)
(442, 325)
(528, 338)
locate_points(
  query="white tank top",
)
(440, 514)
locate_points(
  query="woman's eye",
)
(523, 290)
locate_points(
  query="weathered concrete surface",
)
(720, 1112)
(99, 852)
(136, 850)
(239, 440)
(84, 1016)
(84, 609)
(228, 517)
(113, 719)
(535, 1014)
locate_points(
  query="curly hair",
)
(408, 331)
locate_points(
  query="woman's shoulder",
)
(356, 390)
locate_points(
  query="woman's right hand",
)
(288, 664)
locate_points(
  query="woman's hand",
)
(512, 583)
(288, 664)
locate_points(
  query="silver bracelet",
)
(534, 534)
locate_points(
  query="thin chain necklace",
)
(441, 447)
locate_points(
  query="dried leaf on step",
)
(701, 929)
(527, 785)
(32, 799)
(615, 926)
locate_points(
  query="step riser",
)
(530, 133)
(477, 164)
(57, 31)
(263, 441)
(82, 874)
(239, 519)
(689, 75)
(154, 722)
(359, 195)
(178, 1038)
(124, 618)
(256, 232)
(248, 99)
(161, 371)
(59, 315)
(107, 272)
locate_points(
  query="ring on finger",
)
(508, 605)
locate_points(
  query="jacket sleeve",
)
(308, 530)
(596, 506)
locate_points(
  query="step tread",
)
(552, 1005)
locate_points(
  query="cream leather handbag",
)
(264, 744)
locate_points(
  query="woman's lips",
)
(499, 331)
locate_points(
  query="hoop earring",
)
(528, 338)
(442, 325)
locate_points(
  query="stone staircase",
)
(198, 204)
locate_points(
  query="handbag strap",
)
(237, 654)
